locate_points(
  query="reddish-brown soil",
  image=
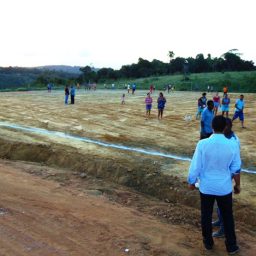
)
(48, 209)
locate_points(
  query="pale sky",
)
(112, 33)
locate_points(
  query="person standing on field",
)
(216, 101)
(66, 94)
(123, 99)
(72, 94)
(151, 87)
(214, 162)
(201, 104)
(229, 134)
(239, 111)
(225, 90)
(133, 88)
(148, 101)
(160, 105)
(206, 121)
(225, 105)
(169, 87)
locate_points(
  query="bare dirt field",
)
(59, 215)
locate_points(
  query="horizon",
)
(111, 34)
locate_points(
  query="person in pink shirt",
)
(148, 101)
(216, 102)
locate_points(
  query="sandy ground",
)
(42, 215)
(99, 115)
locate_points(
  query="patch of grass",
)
(236, 81)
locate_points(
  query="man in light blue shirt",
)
(206, 121)
(215, 161)
(72, 94)
(239, 111)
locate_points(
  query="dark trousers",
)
(72, 99)
(225, 207)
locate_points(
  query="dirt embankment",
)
(140, 174)
(49, 211)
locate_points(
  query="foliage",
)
(17, 77)
(229, 61)
(179, 71)
(244, 81)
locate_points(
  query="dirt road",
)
(56, 214)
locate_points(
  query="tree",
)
(88, 75)
(171, 55)
(233, 61)
(201, 64)
(176, 65)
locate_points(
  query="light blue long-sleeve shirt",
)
(214, 162)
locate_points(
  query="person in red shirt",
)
(151, 88)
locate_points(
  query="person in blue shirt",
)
(49, 87)
(214, 162)
(160, 105)
(239, 111)
(133, 88)
(225, 104)
(72, 94)
(206, 121)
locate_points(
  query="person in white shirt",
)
(214, 162)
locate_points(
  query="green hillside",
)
(236, 81)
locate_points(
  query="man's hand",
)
(237, 189)
(191, 186)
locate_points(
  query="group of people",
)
(215, 163)
(161, 101)
(133, 87)
(72, 93)
(216, 103)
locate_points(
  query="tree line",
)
(19, 77)
(229, 61)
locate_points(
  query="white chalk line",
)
(100, 143)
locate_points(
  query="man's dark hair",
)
(219, 123)
(210, 102)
